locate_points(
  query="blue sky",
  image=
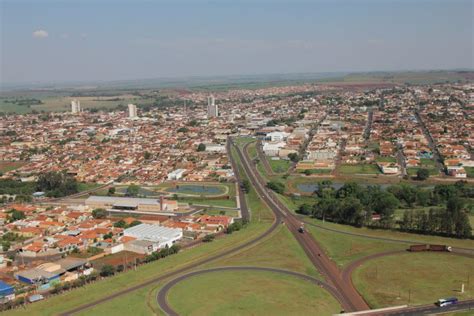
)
(69, 40)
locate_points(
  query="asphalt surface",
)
(433, 309)
(244, 210)
(162, 294)
(350, 298)
(336, 285)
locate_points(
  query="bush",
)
(107, 270)
(278, 187)
(209, 238)
(422, 174)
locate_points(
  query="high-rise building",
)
(75, 106)
(212, 109)
(132, 110)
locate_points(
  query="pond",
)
(196, 189)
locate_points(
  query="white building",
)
(75, 106)
(272, 149)
(132, 110)
(176, 174)
(159, 235)
(212, 109)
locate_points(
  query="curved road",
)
(243, 205)
(351, 299)
(162, 294)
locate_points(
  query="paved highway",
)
(162, 294)
(351, 300)
(189, 267)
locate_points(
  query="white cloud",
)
(40, 34)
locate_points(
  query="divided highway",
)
(351, 299)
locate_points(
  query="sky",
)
(103, 40)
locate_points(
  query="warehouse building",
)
(7, 292)
(160, 236)
(132, 204)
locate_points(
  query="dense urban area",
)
(374, 183)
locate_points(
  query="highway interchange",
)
(337, 283)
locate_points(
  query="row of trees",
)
(355, 205)
(165, 252)
(57, 184)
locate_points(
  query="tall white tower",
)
(132, 110)
(212, 109)
(75, 106)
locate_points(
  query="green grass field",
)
(6, 166)
(210, 202)
(77, 297)
(465, 243)
(287, 255)
(425, 277)
(279, 166)
(359, 169)
(469, 171)
(86, 186)
(344, 248)
(248, 293)
(386, 159)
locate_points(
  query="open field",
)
(6, 166)
(359, 169)
(469, 171)
(58, 102)
(287, 255)
(464, 243)
(81, 186)
(211, 202)
(143, 301)
(94, 291)
(247, 293)
(414, 278)
(344, 248)
(279, 166)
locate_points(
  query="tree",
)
(57, 184)
(246, 185)
(6, 246)
(134, 223)
(422, 174)
(208, 238)
(16, 215)
(132, 190)
(107, 270)
(99, 213)
(121, 224)
(201, 147)
(111, 191)
(182, 130)
(147, 155)
(293, 157)
(278, 187)
(304, 209)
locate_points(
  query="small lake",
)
(196, 189)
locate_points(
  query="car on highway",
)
(446, 301)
